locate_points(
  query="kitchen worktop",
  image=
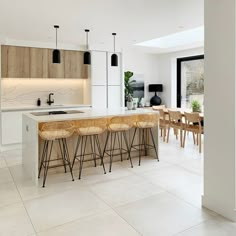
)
(87, 113)
(43, 107)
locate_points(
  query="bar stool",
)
(89, 130)
(51, 132)
(144, 124)
(117, 129)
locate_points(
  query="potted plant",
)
(196, 107)
(128, 84)
(129, 102)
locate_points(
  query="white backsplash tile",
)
(25, 92)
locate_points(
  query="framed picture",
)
(138, 86)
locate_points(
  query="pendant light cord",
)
(114, 43)
(56, 38)
(87, 39)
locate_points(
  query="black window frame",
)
(179, 61)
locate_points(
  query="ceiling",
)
(134, 21)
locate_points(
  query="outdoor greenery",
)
(196, 107)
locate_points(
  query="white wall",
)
(156, 69)
(167, 73)
(142, 63)
(220, 106)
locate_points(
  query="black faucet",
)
(50, 100)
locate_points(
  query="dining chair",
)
(163, 120)
(175, 122)
(193, 124)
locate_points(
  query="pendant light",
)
(56, 55)
(87, 55)
(114, 57)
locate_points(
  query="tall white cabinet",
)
(106, 81)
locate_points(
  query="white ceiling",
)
(134, 21)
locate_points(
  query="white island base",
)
(32, 144)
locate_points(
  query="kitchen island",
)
(32, 144)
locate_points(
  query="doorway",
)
(190, 81)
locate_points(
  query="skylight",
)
(178, 39)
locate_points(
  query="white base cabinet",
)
(11, 127)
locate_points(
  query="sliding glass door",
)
(190, 81)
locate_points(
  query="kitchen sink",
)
(47, 113)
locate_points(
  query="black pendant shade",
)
(87, 58)
(114, 60)
(114, 57)
(87, 55)
(56, 55)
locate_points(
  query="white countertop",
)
(43, 107)
(89, 113)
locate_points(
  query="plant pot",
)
(130, 105)
(196, 109)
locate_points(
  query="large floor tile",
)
(162, 215)
(214, 227)
(56, 183)
(5, 176)
(148, 163)
(172, 177)
(2, 163)
(53, 210)
(14, 221)
(12, 157)
(191, 193)
(194, 165)
(104, 224)
(125, 190)
(8, 194)
(92, 175)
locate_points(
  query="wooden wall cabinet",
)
(38, 63)
(56, 70)
(15, 62)
(74, 65)
(25, 62)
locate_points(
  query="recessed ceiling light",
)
(182, 38)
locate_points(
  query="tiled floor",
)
(152, 199)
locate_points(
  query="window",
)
(190, 81)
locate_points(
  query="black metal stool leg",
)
(45, 147)
(47, 165)
(100, 152)
(92, 149)
(82, 156)
(119, 135)
(76, 150)
(112, 149)
(62, 153)
(153, 141)
(67, 157)
(140, 146)
(128, 148)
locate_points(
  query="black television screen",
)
(155, 87)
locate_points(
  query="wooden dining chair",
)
(175, 122)
(193, 124)
(163, 121)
